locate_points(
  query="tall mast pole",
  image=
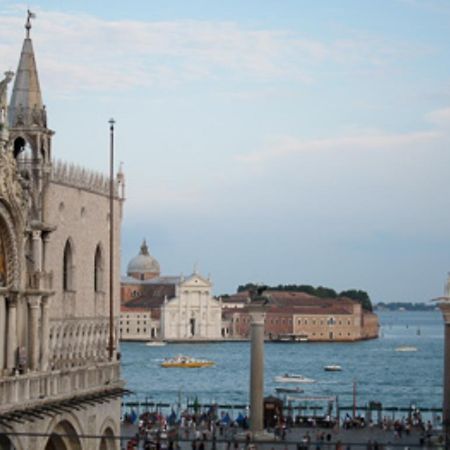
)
(111, 240)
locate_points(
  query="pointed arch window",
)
(68, 267)
(98, 269)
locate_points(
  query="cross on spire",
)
(30, 15)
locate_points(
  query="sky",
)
(262, 140)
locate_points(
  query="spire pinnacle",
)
(30, 15)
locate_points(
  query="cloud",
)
(286, 146)
(79, 52)
(440, 118)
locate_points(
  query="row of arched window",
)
(69, 268)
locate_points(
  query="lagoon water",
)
(381, 373)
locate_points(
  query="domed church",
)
(172, 308)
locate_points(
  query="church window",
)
(98, 269)
(68, 267)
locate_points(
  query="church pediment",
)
(196, 280)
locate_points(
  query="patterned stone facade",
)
(55, 370)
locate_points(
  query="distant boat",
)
(406, 348)
(156, 343)
(291, 378)
(295, 390)
(333, 368)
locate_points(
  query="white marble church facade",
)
(170, 308)
(56, 375)
(192, 313)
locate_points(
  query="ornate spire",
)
(26, 108)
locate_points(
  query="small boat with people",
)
(333, 368)
(282, 390)
(186, 362)
(406, 348)
(293, 378)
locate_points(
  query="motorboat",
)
(406, 348)
(186, 362)
(155, 343)
(292, 378)
(333, 368)
(281, 390)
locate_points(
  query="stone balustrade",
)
(33, 388)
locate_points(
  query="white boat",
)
(333, 368)
(292, 378)
(406, 348)
(155, 343)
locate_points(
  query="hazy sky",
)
(266, 141)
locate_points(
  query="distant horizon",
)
(285, 143)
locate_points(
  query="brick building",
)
(300, 316)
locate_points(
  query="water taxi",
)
(333, 368)
(186, 362)
(291, 378)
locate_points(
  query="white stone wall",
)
(82, 217)
(193, 313)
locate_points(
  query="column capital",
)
(12, 299)
(34, 301)
(36, 234)
(257, 317)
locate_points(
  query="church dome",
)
(143, 265)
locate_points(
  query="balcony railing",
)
(34, 388)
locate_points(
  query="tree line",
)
(319, 291)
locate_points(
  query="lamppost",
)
(444, 306)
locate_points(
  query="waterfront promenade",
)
(296, 438)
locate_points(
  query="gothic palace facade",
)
(56, 375)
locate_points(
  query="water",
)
(381, 373)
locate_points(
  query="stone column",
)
(11, 344)
(44, 333)
(2, 332)
(37, 250)
(445, 309)
(257, 372)
(34, 303)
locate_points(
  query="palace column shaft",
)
(34, 304)
(44, 333)
(2, 332)
(257, 372)
(11, 343)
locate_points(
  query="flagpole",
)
(111, 240)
